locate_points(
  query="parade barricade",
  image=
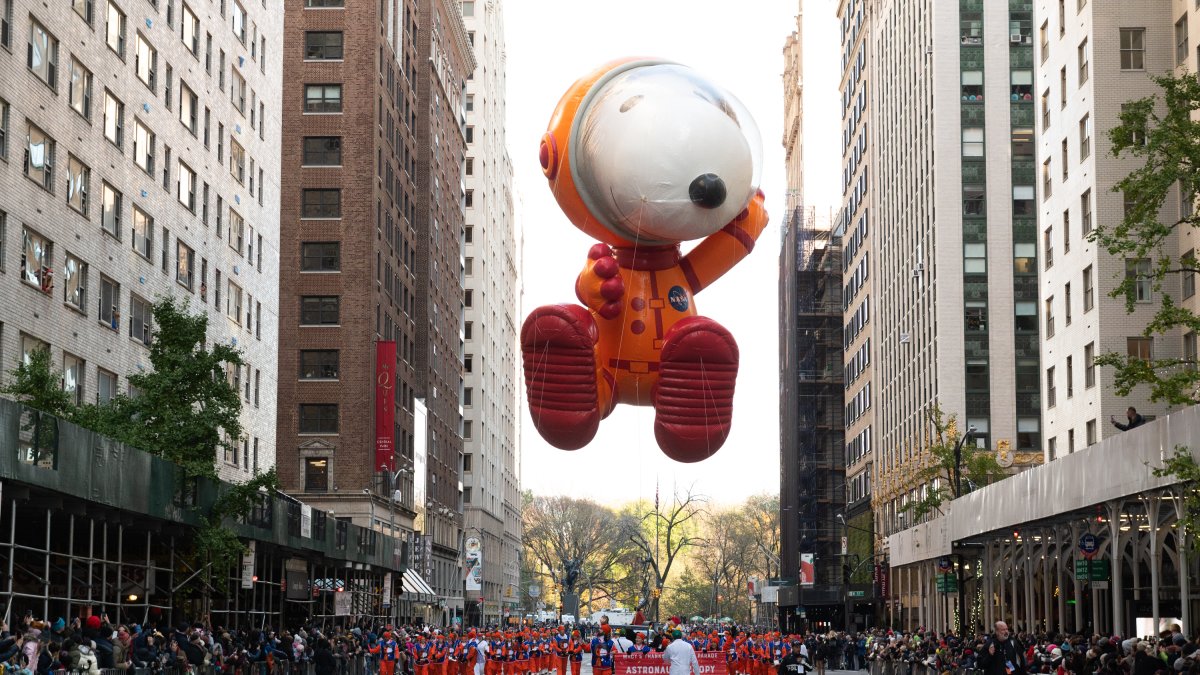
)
(711, 663)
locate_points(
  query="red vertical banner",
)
(385, 405)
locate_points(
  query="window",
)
(165, 248)
(1181, 40)
(1070, 377)
(237, 90)
(1021, 85)
(318, 418)
(468, 396)
(323, 151)
(1137, 272)
(319, 364)
(311, 4)
(114, 29)
(1187, 203)
(72, 377)
(1083, 62)
(145, 62)
(187, 187)
(1141, 348)
(6, 22)
(1051, 390)
(1045, 110)
(83, 8)
(79, 97)
(143, 232)
(322, 45)
(1085, 137)
(323, 98)
(3, 128)
(1066, 231)
(110, 300)
(1052, 447)
(75, 283)
(42, 54)
(190, 30)
(233, 302)
(114, 119)
(1085, 208)
(237, 230)
(469, 363)
(1189, 278)
(320, 256)
(469, 166)
(468, 8)
(1089, 292)
(78, 178)
(141, 319)
(143, 147)
(1067, 304)
(316, 474)
(470, 134)
(185, 264)
(468, 329)
(110, 216)
(1189, 350)
(319, 310)
(973, 200)
(188, 107)
(39, 157)
(321, 203)
(1044, 35)
(37, 260)
(1048, 247)
(1050, 317)
(972, 142)
(237, 161)
(469, 199)
(468, 429)
(106, 386)
(1133, 48)
(238, 19)
(1090, 430)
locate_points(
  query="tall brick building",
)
(348, 251)
(371, 223)
(446, 63)
(139, 159)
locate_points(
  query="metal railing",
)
(363, 664)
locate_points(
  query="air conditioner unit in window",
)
(1015, 38)
(904, 338)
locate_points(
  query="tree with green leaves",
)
(937, 477)
(1161, 130)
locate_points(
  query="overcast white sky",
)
(738, 44)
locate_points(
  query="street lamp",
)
(958, 460)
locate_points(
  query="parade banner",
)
(807, 573)
(385, 405)
(711, 663)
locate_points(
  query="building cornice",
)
(454, 9)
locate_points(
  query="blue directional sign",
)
(1089, 545)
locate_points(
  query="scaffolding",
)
(812, 405)
(89, 526)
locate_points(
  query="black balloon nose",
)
(707, 191)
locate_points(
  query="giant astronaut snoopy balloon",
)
(642, 155)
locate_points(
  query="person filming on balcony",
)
(1135, 420)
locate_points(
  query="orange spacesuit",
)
(642, 155)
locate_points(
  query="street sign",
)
(947, 583)
(1092, 570)
(857, 594)
(944, 564)
(1089, 545)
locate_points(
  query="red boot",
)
(694, 396)
(558, 346)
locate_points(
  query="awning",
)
(415, 589)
